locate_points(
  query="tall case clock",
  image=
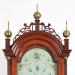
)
(37, 50)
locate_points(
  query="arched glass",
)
(37, 61)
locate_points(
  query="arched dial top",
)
(37, 61)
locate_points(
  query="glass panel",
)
(37, 62)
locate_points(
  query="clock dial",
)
(37, 62)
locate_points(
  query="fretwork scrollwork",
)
(42, 27)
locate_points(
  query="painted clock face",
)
(37, 62)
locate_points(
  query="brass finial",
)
(66, 33)
(8, 25)
(8, 33)
(37, 7)
(66, 25)
(37, 14)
